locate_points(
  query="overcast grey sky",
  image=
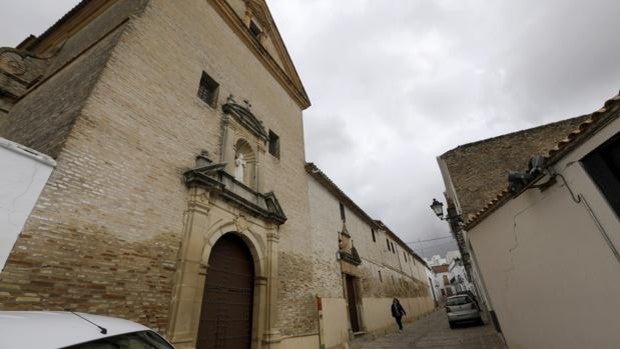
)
(394, 83)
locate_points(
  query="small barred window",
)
(208, 90)
(274, 144)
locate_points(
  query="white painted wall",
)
(441, 285)
(430, 276)
(458, 274)
(23, 174)
(552, 278)
(335, 321)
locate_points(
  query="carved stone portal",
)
(219, 205)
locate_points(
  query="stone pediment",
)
(245, 118)
(276, 60)
(215, 179)
(261, 13)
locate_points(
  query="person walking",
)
(398, 312)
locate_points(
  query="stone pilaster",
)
(190, 274)
(272, 336)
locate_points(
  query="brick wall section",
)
(107, 226)
(94, 31)
(43, 118)
(198, 39)
(104, 235)
(479, 170)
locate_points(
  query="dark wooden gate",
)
(352, 302)
(226, 314)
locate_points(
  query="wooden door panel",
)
(226, 313)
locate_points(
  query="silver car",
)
(462, 308)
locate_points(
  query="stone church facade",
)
(181, 193)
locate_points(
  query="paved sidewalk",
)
(432, 331)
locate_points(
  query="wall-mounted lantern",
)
(437, 207)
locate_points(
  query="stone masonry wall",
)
(399, 278)
(44, 117)
(198, 39)
(478, 170)
(107, 226)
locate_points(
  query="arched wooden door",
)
(226, 313)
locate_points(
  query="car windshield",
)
(135, 340)
(458, 301)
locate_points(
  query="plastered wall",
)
(548, 270)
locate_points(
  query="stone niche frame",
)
(239, 126)
(212, 211)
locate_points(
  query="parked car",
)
(471, 295)
(68, 330)
(462, 308)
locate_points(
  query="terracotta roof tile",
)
(443, 268)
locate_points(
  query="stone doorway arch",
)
(227, 303)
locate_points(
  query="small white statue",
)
(240, 167)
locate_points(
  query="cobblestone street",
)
(432, 331)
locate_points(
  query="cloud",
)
(405, 81)
(25, 17)
(395, 83)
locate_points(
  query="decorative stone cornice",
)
(245, 118)
(18, 71)
(214, 179)
(351, 256)
(73, 21)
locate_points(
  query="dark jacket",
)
(397, 310)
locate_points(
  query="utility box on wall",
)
(23, 174)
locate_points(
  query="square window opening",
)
(255, 30)
(274, 144)
(208, 90)
(603, 167)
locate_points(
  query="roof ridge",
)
(514, 133)
(57, 24)
(314, 171)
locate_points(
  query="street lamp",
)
(437, 207)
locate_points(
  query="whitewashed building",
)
(23, 174)
(544, 242)
(458, 277)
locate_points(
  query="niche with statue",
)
(244, 142)
(236, 176)
(245, 163)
